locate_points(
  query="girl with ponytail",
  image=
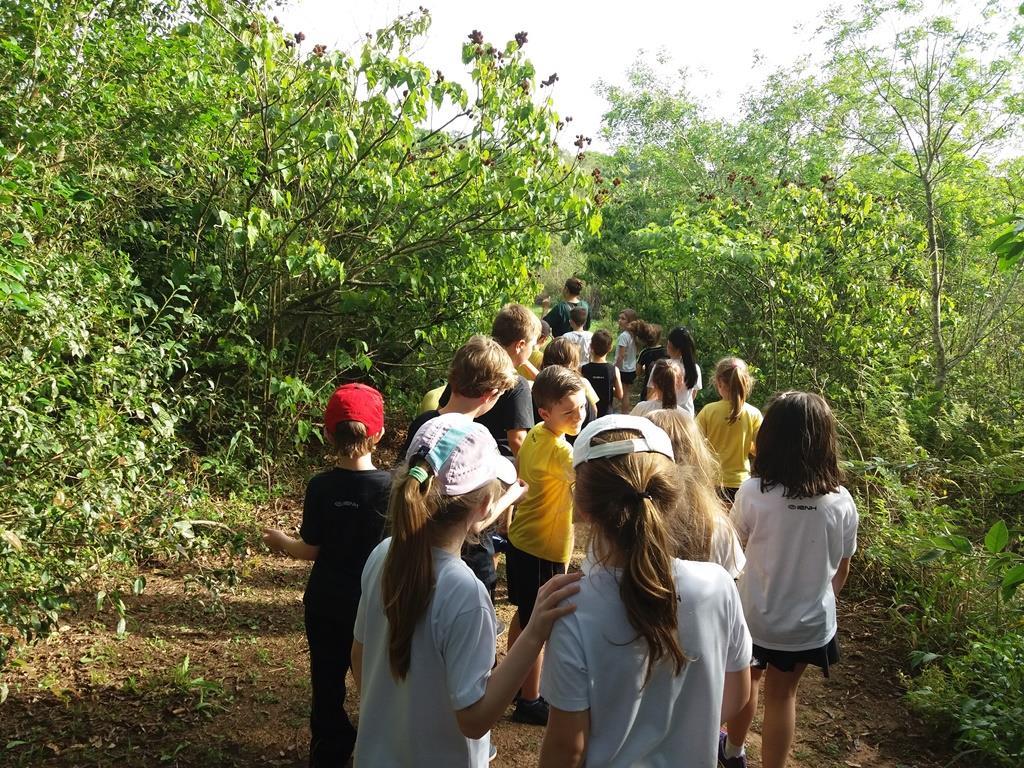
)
(731, 425)
(662, 389)
(657, 651)
(680, 347)
(425, 630)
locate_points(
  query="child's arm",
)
(620, 355)
(618, 384)
(502, 505)
(279, 541)
(357, 665)
(516, 438)
(840, 578)
(736, 693)
(565, 740)
(506, 679)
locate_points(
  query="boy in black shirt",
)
(342, 521)
(602, 375)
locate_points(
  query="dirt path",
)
(86, 697)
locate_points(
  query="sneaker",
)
(492, 754)
(740, 761)
(531, 712)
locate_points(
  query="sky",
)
(727, 47)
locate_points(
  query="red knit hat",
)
(355, 402)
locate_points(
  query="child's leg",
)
(779, 715)
(624, 403)
(332, 735)
(739, 725)
(530, 689)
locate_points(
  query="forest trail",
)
(86, 697)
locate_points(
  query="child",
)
(798, 526)
(578, 336)
(480, 373)
(563, 352)
(730, 424)
(558, 317)
(625, 355)
(648, 335)
(662, 390)
(529, 369)
(540, 536)
(602, 375)
(718, 542)
(342, 521)
(680, 347)
(657, 650)
(425, 631)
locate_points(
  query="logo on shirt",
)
(345, 504)
(802, 506)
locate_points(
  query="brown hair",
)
(479, 366)
(631, 500)
(553, 383)
(562, 352)
(646, 333)
(629, 313)
(417, 511)
(700, 511)
(734, 376)
(513, 323)
(351, 440)
(664, 377)
(574, 286)
(797, 446)
(578, 315)
(600, 343)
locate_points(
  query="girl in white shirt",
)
(662, 389)
(798, 526)
(625, 354)
(425, 628)
(657, 652)
(680, 347)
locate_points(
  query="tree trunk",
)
(938, 275)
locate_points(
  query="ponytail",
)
(682, 341)
(664, 377)
(734, 376)
(416, 510)
(631, 500)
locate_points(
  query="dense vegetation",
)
(205, 225)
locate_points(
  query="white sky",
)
(586, 42)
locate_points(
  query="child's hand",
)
(548, 609)
(275, 539)
(512, 495)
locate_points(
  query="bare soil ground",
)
(208, 682)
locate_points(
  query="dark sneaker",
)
(740, 761)
(531, 712)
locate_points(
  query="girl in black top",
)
(649, 335)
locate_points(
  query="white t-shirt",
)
(793, 549)
(626, 341)
(725, 547)
(645, 407)
(594, 660)
(402, 723)
(582, 341)
(687, 396)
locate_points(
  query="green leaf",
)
(332, 140)
(82, 196)
(997, 537)
(952, 543)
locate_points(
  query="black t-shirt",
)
(343, 513)
(646, 361)
(414, 427)
(602, 378)
(514, 410)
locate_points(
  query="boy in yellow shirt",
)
(540, 535)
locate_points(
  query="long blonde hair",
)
(630, 499)
(417, 512)
(734, 377)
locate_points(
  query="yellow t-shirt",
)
(542, 525)
(432, 400)
(732, 442)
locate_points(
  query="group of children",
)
(641, 656)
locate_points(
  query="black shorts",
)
(628, 377)
(823, 657)
(526, 574)
(727, 495)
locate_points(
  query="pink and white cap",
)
(461, 454)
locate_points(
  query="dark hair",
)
(664, 375)
(681, 339)
(646, 333)
(797, 446)
(578, 315)
(561, 351)
(545, 330)
(600, 343)
(574, 286)
(631, 500)
(351, 440)
(553, 383)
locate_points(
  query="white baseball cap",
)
(653, 439)
(461, 453)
